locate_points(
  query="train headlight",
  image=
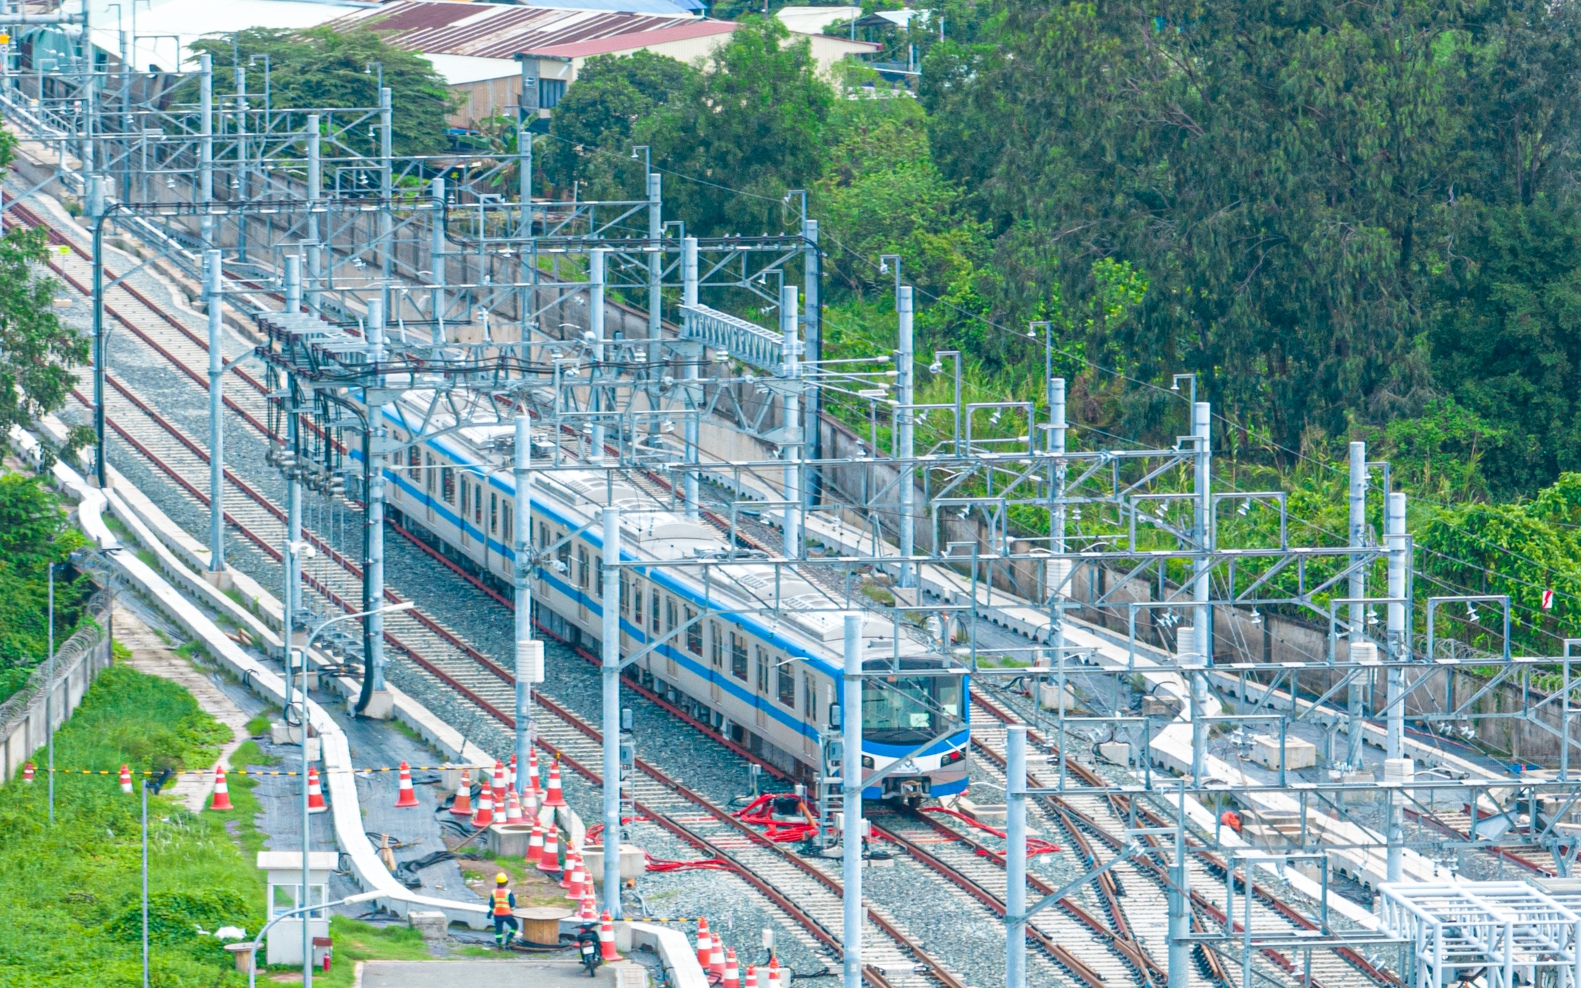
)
(867, 761)
(953, 757)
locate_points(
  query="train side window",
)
(787, 683)
(694, 633)
(625, 594)
(636, 603)
(415, 471)
(738, 656)
(466, 499)
(653, 612)
(432, 473)
(564, 555)
(506, 534)
(477, 506)
(494, 513)
(447, 484)
(399, 458)
(669, 614)
(810, 697)
(763, 670)
(716, 646)
(581, 566)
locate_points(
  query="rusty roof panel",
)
(498, 31)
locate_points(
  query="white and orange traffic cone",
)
(716, 959)
(485, 815)
(535, 844)
(513, 807)
(315, 792)
(222, 792)
(732, 971)
(499, 785)
(510, 774)
(27, 773)
(705, 943)
(554, 797)
(752, 976)
(406, 796)
(606, 939)
(774, 973)
(463, 802)
(549, 863)
(126, 780)
(589, 911)
(577, 887)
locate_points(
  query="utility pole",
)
(904, 434)
(611, 725)
(689, 297)
(791, 428)
(212, 297)
(1202, 611)
(1398, 545)
(529, 652)
(1016, 856)
(1358, 590)
(851, 801)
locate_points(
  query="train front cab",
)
(901, 711)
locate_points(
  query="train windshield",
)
(909, 709)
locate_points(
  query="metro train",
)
(763, 675)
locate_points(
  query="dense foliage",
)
(37, 351)
(34, 533)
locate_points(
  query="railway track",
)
(803, 895)
(804, 892)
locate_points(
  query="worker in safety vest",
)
(501, 902)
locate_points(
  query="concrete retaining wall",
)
(22, 719)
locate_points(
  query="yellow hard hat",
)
(501, 878)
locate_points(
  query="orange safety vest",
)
(502, 902)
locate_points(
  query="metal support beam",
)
(1396, 541)
(1358, 591)
(213, 299)
(906, 392)
(529, 653)
(1016, 856)
(851, 786)
(595, 324)
(611, 725)
(790, 449)
(689, 297)
(1201, 588)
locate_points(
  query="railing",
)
(743, 340)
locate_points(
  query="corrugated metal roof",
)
(498, 31)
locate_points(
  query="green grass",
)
(248, 753)
(355, 941)
(69, 893)
(260, 724)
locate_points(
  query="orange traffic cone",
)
(513, 807)
(752, 976)
(570, 866)
(463, 802)
(126, 779)
(774, 973)
(407, 796)
(485, 814)
(535, 844)
(549, 863)
(554, 797)
(589, 911)
(716, 959)
(732, 972)
(705, 943)
(510, 774)
(499, 785)
(27, 773)
(222, 793)
(578, 885)
(606, 939)
(315, 793)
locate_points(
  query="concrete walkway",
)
(152, 656)
(515, 973)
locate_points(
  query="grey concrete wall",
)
(22, 719)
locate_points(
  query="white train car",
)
(759, 660)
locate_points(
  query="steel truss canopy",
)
(1517, 933)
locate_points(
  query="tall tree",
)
(590, 130)
(37, 352)
(1292, 178)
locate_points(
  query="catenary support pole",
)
(436, 260)
(790, 451)
(1357, 590)
(1398, 547)
(812, 337)
(315, 185)
(293, 284)
(1202, 611)
(689, 297)
(1058, 569)
(375, 506)
(851, 800)
(529, 652)
(206, 144)
(611, 725)
(100, 350)
(1016, 856)
(212, 297)
(655, 277)
(596, 259)
(1179, 895)
(905, 434)
(386, 192)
